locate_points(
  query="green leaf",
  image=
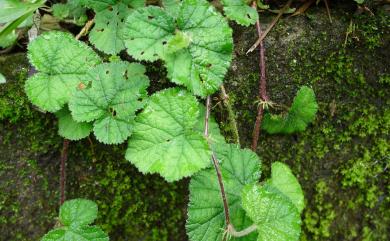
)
(276, 217)
(87, 233)
(201, 64)
(239, 11)
(301, 113)
(78, 212)
(206, 220)
(10, 10)
(69, 128)
(111, 101)
(2, 79)
(76, 215)
(61, 10)
(284, 180)
(109, 21)
(62, 63)
(164, 140)
(72, 9)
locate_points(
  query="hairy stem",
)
(274, 21)
(64, 157)
(232, 231)
(216, 163)
(231, 115)
(262, 87)
(85, 29)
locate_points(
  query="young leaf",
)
(111, 101)
(69, 128)
(301, 113)
(109, 21)
(206, 220)
(76, 215)
(164, 140)
(239, 11)
(284, 180)
(88, 233)
(78, 212)
(62, 63)
(276, 217)
(203, 40)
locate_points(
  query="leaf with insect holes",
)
(284, 180)
(302, 112)
(275, 216)
(239, 11)
(206, 220)
(193, 39)
(76, 215)
(109, 21)
(111, 100)
(69, 128)
(165, 140)
(62, 63)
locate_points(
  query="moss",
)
(341, 160)
(132, 206)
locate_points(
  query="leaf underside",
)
(114, 95)
(206, 220)
(301, 113)
(206, 48)
(165, 141)
(61, 68)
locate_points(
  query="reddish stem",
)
(216, 164)
(262, 87)
(64, 157)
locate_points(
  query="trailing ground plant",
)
(169, 132)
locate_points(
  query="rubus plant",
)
(75, 219)
(169, 132)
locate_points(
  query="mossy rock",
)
(341, 160)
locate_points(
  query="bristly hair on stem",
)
(216, 164)
(262, 86)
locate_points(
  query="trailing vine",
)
(169, 132)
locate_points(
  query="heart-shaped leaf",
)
(165, 141)
(194, 40)
(62, 63)
(111, 100)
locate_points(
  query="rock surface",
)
(342, 159)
